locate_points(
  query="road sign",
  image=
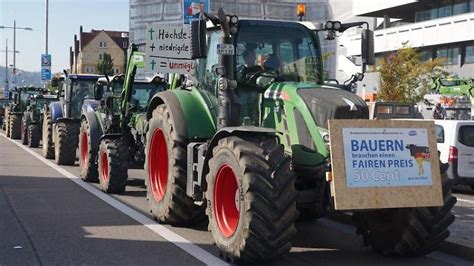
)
(45, 67)
(192, 9)
(168, 50)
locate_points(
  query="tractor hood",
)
(324, 102)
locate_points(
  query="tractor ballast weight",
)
(252, 167)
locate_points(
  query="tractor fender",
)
(89, 105)
(94, 127)
(56, 110)
(190, 115)
(227, 132)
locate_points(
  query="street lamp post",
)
(14, 40)
(6, 51)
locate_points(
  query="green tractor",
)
(61, 121)
(248, 144)
(14, 112)
(33, 119)
(112, 138)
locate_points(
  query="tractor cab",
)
(77, 90)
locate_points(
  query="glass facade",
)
(444, 8)
(469, 56)
(451, 54)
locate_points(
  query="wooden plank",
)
(380, 191)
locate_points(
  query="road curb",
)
(452, 246)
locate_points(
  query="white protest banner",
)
(168, 65)
(168, 41)
(385, 157)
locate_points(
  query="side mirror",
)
(198, 39)
(367, 47)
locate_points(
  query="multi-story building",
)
(436, 28)
(90, 48)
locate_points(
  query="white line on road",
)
(161, 230)
(465, 200)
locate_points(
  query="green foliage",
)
(404, 78)
(106, 65)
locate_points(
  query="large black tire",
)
(65, 143)
(251, 199)
(34, 135)
(166, 156)
(15, 126)
(47, 142)
(87, 154)
(113, 165)
(7, 121)
(24, 130)
(409, 231)
(320, 207)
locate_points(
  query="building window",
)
(469, 54)
(100, 56)
(425, 55)
(102, 44)
(125, 45)
(460, 7)
(451, 54)
(116, 71)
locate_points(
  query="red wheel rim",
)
(105, 167)
(226, 201)
(84, 149)
(158, 165)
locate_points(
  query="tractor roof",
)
(83, 76)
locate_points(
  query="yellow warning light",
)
(301, 10)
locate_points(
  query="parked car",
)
(456, 143)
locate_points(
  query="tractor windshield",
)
(80, 90)
(286, 51)
(451, 82)
(142, 94)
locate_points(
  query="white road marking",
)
(465, 200)
(161, 230)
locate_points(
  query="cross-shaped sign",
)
(152, 46)
(151, 31)
(153, 63)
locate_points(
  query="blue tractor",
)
(61, 120)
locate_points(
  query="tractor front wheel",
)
(15, 126)
(166, 159)
(24, 130)
(7, 122)
(34, 134)
(47, 142)
(87, 154)
(113, 165)
(409, 231)
(65, 143)
(251, 199)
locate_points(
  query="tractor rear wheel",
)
(34, 133)
(408, 231)
(15, 126)
(24, 130)
(47, 142)
(320, 207)
(251, 199)
(7, 122)
(87, 154)
(65, 143)
(113, 165)
(166, 159)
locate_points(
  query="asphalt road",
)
(50, 217)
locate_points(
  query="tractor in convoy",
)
(14, 112)
(61, 121)
(33, 119)
(456, 95)
(248, 145)
(112, 138)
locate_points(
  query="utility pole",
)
(46, 26)
(14, 46)
(6, 68)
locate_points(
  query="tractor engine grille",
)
(331, 103)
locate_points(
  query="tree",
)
(106, 65)
(404, 78)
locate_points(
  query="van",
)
(455, 140)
